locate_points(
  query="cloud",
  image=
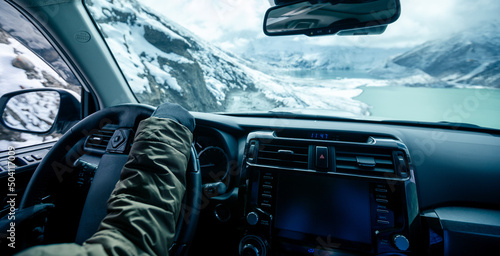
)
(213, 20)
(423, 20)
(233, 23)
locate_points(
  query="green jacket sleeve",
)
(145, 203)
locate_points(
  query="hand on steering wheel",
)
(124, 116)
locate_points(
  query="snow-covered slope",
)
(468, 58)
(165, 62)
(21, 69)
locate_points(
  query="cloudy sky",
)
(235, 23)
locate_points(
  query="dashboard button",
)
(252, 152)
(382, 211)
(321, 157)
(250, 250)
(401, 242)
(382, 201)
(379, 206)
(381, 186)
(382, 217)
(385, 222)
(252, 218)
(29, 159)
(36, 157)
(265, 205)
(381, 196)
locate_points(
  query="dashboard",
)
(281, 185)
(291, 186)
(218, 157)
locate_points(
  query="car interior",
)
(265, 183)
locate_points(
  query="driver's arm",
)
(145, 203)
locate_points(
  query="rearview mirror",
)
(314, 18)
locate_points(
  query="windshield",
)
(440, 62)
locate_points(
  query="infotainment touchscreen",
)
(324, 206)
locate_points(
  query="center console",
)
(310, 195)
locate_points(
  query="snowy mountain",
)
(165, 62)
(468, 58)
(290, 54)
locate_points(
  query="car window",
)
(27, 60)
(437, 64)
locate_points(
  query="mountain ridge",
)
(173, 65)
(470, 58)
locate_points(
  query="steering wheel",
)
(56, 175)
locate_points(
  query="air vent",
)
(283, 155)
(377, 162)
(98, 141)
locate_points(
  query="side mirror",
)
(39, 111)
(329, 17)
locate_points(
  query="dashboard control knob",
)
(401, 242)
(250, 250)
(252, 245)
(252, 218)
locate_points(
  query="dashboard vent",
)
(99, 140)
(363, 161)
(283, 155)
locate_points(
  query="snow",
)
(12, 78)
(457, 58)
(299, 55)
(135, 39)
(217, 88)
(332, 94)
(225, 73)
(160, 27)
(162, 76)
(129, 60)
(34, 111)
(133, 52)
